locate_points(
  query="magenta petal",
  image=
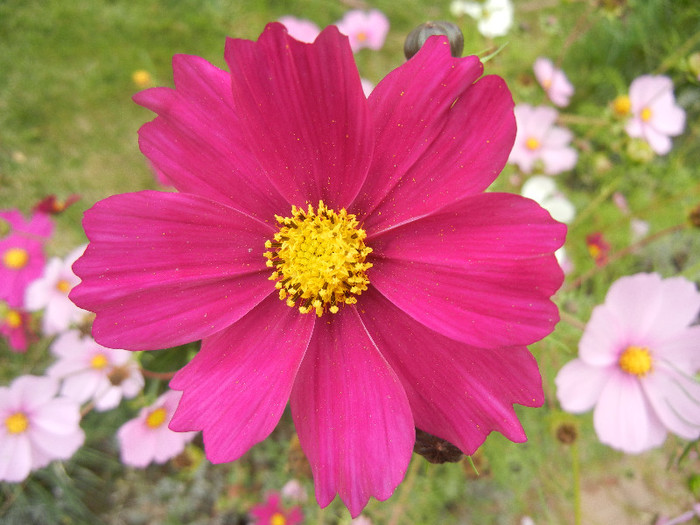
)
(304, 113)
(457, 392)
(440, 136)
(196, 140)
(237, 386)
(351, 414)
(481, 273)
(164, 269)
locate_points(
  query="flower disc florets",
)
(318, 259)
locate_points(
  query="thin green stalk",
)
(576, 473)
(398, 511)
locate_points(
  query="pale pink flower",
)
(300, 28)
(93, 372)
(539, 140)
(364, 28)
(294, 491)
(50, 294)
(553, 81)
(272, 513)
(655, 114)
(264, 154)
(367, 86)
(543, 190)
(637, 360)
(37, 427)
(147, 439)
(494, 17)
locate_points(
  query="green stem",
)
(398, 512)
(576, 472)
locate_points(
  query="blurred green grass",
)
(68, 125)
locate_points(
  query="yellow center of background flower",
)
(622, 105)
(278, 519)
(318, 259)
(532, 143)
(13, 319)
(156, 418)
(63, 286)
(15, 258)
(17, 423)
(99, 361)
(635, 360)
(646, 114)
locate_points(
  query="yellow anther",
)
(622, 105)
(16, 423)
(99, 361)
(15, 258)
(646, 114)
(532, 143)
(318, 258)
(635, 360)
(156, 418)
(13, 319)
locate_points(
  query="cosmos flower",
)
(38, 226)
(553, 81)
(654, 114)
(312, 247)
(50, 294)
(539, 140)
(38, 427)
(637, 360)
(147, 439)
(299, 28)
(598, 247)
(272, 513)
(494, 17)
(54, 206)
(21, 261)
(14, 326)
(91, 372)
(543, 190)
(364, 28)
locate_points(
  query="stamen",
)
(635, 360)
(318, 258)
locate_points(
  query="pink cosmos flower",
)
(313, 248)
(37, 428)
(553, 81)
(14, 326)
(539, 140)
(92, 372)
(294, 491)
(637, 360)
(364, 28)
(272, 513)
(38, 226)
(598, 247)
(299, 28)
(147, 438)
(21, 261)
(50, 294)
(655, 114)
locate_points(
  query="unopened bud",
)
(435, 449)
(694, 216)
(417, 37)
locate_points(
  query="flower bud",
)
(435, 449)
(417, 37)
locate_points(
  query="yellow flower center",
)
(99, 361)
(15, 258)
(532, 143)
(156, 418)
(622, 105)
(646, 114)
(17, 423)
(318, 259)
(635, 360)
(361, 36)
(278, 519)
(13, 319)
(142, 78)
(546, 84)
(63, 286)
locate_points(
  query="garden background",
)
(68, 126)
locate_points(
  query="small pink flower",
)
(364, 28)
(637, 360)
(655, 114)
(294, 491)
(37, 427)
(553, 81)
(14, 325)
(38, 226)
(539, 140)
(92, 372)
(598, 247)
(50, 293)
(21, 261)
(148, 439)
(300, 29)
(272, 513)
(54, 206)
